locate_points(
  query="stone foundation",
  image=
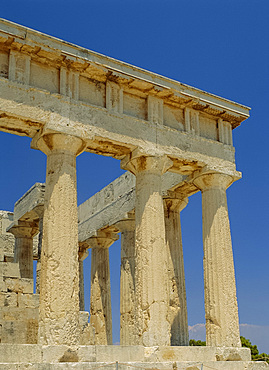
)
(125, 357)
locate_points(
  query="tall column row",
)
(153, 298)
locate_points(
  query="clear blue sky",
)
(218, 46)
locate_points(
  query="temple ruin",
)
(173, 140)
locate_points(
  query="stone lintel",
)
(30, 206)
(106, 134)
(113, 203)
(45, 49)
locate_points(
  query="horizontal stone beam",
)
(107, 207)
(33, 112)
(48, 86)
(29, 206)
(38, 48)
(113, 203)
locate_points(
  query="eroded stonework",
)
(174, 140)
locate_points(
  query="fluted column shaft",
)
(128, 333)
(59, 279)
(222, 324)
(177, 291)
(23, 252)
(100, 306)
(151, 280)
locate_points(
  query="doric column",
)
(151, 280)
(222, 326)
(100, 307)
(174, 203)
(128, 334)
(59, 280)
(23, 252)
(82, 254)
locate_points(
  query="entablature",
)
(44, 62)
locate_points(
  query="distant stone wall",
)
(18, 304)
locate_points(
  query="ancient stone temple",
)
(173, 140)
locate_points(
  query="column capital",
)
(137, 161)
(175, 201)
(127, 224)
(215, 180)
(23, 229)
(83, 251)
(49, 142)
(102, 239)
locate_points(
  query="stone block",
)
(251, 365)
(14, 331)
(10, 269)
(20, 331)
(22, 285)
(130, 366)
(7, 242)
(1, 253)
(6, 218)
(87, 336)
(26, 300)
(87, 353)
(233, 354)
(155, 366)
(192, 353)
(162, 354)
(83, 318)
(60, 353)
(20, 353)
(17, 313)
(9, 299)
(32, 331)
(119, 353)
(3, 287)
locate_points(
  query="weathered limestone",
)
(68, 99)
(165, 357)
(151, 284)
(30, 208)
(82, 254)
(114, 202)
(222, 326)
(18, 304)
(23, 253)
(128, 329)
(112, 106)
(59, 283)
(6, 239)
(100, 309)
(174, 203)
